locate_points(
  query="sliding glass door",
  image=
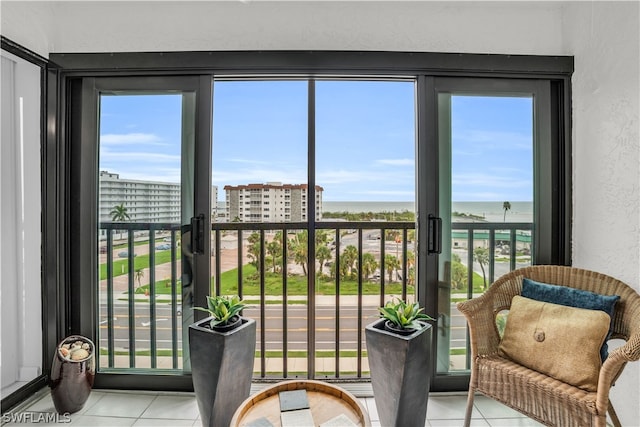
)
(316, 198)
(492, 178)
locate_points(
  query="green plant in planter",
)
(403, 315)
(222, 309)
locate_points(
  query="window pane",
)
(486, 187)
(260, 170)
(365, 163)
(260, 150)
(140, 213)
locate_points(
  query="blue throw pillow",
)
(572, 297)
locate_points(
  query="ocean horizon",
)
(491, 211)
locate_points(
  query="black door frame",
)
(75, 72)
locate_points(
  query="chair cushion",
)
(560, 341)
(572, 297)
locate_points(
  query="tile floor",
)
(141, 409)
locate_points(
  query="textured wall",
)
(606, 150)
(94, 26)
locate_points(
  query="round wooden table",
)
(326, 401)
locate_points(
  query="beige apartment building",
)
(270, 202)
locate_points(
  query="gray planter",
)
(400, 374)
(221, 369)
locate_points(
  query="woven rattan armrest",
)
(481, 311)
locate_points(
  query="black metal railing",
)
(288, 319)
(112, 310)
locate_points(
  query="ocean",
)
(492, 211)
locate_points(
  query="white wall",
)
(94, 26)
(603, 37)
(20, 228)
(606, 154)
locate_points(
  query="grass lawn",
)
(121, 266)
(297, 284)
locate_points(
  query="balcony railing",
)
(310, 311)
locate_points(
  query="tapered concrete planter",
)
(400, 374)
(221, 369)
(72, 373)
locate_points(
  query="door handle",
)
(197, 234)
(435, 235)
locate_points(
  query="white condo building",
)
(270, 202)
(145, 201)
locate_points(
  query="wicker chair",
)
(534, 394)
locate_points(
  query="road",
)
(296, 326)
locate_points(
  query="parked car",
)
(125, 254)
(163, 247)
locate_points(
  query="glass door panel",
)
(260, 187)
(145, 202)
(486, 188)
(365, 165)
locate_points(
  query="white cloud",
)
(259, 175)
(488, 140)
(489, 181)
(129, 138)
(139, 157)
(408, 193)
(396, 162)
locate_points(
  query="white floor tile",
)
(513, 422)
(153, 422)
(448, 407)
(147, 409)
(372, 409)
(123, 405)
(172, 407)
(94, 421)
(490, 408)
(457, 423)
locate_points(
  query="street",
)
(296, 326)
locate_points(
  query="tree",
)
(458, 273)
(139, 275)
(481, 256)
(254, 250)
(298, 247)
(119, 214)
(323, 254)
(350, 256)
(274, 249)
(506, 206)
(369, 264)
(391, 264)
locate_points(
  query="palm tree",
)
(391, 264)
(254, 250)
(458, 272)
(274, 248)
(139, 275)
(119, 214)
(481, 256)
(506, 206)
(350, 256)
(323, 254)
(369, 264)
(298, 247)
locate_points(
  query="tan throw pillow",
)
(559, 341)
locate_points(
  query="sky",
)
(365, 139)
